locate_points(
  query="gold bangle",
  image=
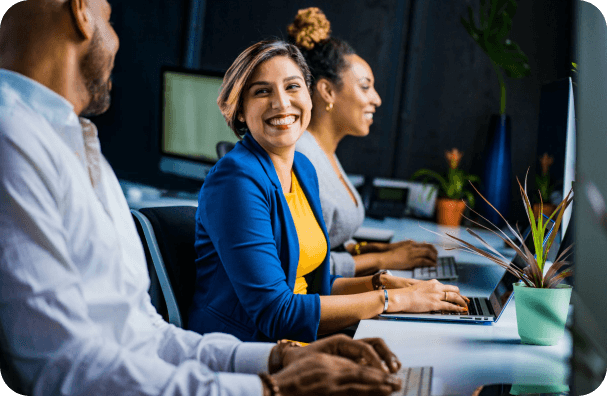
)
(358, 246)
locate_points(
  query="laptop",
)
(446, 267)
(481, 310)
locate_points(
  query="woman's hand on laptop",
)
(426, 297)
(407, 255)
(396, 282)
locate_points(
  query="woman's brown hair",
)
(238, 75)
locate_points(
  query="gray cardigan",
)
(341, 215)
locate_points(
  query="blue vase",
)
(498, 168)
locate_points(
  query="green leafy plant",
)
(542, 180)
(491, 34)
(533, 274)
(453, 184)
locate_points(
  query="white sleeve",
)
(46, 335)
(218, 351)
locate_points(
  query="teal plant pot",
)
(518, 389)
(541, 313)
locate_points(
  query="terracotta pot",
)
(449, 211)
(548, 209)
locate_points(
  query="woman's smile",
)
(283, 121)
(277, 105)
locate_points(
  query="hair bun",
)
(310, 27)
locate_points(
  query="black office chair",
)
(223, 148)
(168, 235)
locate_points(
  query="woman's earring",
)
(241, 118)
(329, 106)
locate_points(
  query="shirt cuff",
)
(232, 384)
(252, 357)
(342, 263)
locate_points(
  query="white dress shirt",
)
(75, 316)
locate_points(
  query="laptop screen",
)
(503, 291)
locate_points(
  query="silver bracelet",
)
(385, 300)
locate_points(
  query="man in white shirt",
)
(75, 316)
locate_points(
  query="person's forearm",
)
(367, 263)
(339, 312)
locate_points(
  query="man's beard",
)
(93, 66)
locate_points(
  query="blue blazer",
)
(248, 251)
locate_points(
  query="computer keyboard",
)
(417, 381)
(445, 269)
(474, 309)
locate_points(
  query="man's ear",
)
(326, 90)
(83, 18)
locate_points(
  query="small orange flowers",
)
(546, 160)
(453, 157)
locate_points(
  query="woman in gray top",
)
(344, 101)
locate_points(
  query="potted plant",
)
(490, 29)
(452, 189)
(541, 300)
(545, 187)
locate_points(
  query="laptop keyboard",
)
(474, 309)
(445, 269)
(416, 381)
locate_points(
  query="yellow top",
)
(312, 242)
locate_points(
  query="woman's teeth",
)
(282, 120)
(369, 116)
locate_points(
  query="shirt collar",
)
(57, 110)
(54, 108)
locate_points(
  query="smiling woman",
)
(345, 101)
(276, 106)
(261, 241)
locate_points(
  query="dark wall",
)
(438, 88)
(151, 35)
(379, 37)
(456, 89)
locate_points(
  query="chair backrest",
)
(171, 247)
(155, 290)
(223, 148)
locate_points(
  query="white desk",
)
(465, 356)
(420, 230)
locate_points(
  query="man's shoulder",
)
(25, 138)
(19, 122)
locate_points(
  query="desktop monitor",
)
(556, 136)
(191, 123)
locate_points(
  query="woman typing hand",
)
(402, 255)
